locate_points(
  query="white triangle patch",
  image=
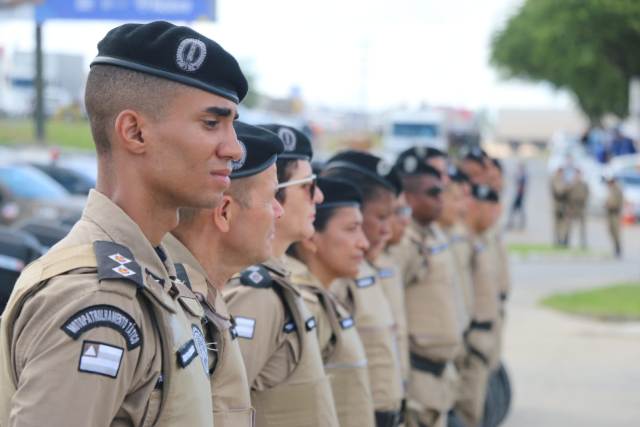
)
(91, 351)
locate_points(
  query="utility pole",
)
(39, 86)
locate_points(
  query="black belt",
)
(387, 418)
(426, 365)
(483, 326)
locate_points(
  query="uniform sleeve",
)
(259, 317)
(78, 356)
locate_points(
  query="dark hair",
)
(370, 188)
(286, 168)
(323, 216)
(110, 90)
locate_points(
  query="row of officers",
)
(217, 279)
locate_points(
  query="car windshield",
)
(28, 183)
(415, 130)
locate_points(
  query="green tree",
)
(584, 46)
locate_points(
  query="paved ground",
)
(570, 371)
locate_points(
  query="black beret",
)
(475, 154)
(409, 163)
(296, 144)
(456, 174)
(367, 164)
(174, 53)
(484, 193)
(260, 149)
(338, 193)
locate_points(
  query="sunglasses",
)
(433, 191)
(309, 181)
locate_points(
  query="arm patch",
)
(103, 315)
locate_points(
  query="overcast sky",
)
(355, 53)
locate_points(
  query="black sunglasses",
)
(433, 191)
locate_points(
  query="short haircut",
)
(370, 188)
(240, 190)
(112, 89)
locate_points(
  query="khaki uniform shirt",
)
(391, 281)
(342, 350)
(365, 300)
(98, 333)
(280, 352)
(229, 384)
(615, 200)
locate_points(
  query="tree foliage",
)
(588, 47)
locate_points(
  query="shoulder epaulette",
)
(256, 276)
(116, 262)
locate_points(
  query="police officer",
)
(613, 205)
(559, 195)
(275, 329)
(336, 250)
(481, 337)
(393, 284)
(378, 183)
(210, 245)
(434, 323)
(98, 331)
(577, 206)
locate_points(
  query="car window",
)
(29, 183)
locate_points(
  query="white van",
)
(402, 130)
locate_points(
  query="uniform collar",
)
(300, 273)
(277, 265)
(196, 272)
(120, 228)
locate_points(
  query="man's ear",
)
(128, 127)
(223, 214)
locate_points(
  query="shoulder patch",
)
(100, 358)
(116, 262)
(103, 315)
(244, 327)
(256, 276)
(365, 282)
(386, 273)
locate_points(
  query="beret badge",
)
(191, 54)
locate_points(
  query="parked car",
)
(27, 192)
(73, 181)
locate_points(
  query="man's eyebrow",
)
(222, 112)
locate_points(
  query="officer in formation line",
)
(614, 203)
(99, 331)
(379, 185)
(276, 330)
(138, 319)
(210, 245)
(336, 250)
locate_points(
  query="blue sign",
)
(127, 10)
